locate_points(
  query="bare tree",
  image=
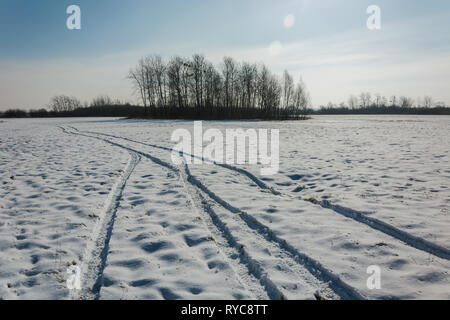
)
(175, 78)
(137, 76)
(102, 101)
(64, 104)
(150, 81)
(248, 83)
(365, 99)
(288, 89)
(378, 100)
(406, 102)
(302, 99)
(353, 102)
(212, 85)
(394, 101)
(198, 66)
(159, 70)
(428, 102)
(229, 72)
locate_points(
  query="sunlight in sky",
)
(289, 21)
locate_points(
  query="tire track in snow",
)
(358, 216)
(96, 253)
(261, 184)
(304, 279)
(260, 288)
(314, 267)
(247, 270)
(405, 237)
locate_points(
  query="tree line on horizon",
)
(193, 88)
(65, 106)
(366, 103)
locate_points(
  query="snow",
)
(104, 195)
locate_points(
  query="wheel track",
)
(297, 271)
(314, 267)
(311, 265)
(261, 184)
(95, 256)
(405, 237)
(256, 283)
(358, 216)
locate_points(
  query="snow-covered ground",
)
(104, 195)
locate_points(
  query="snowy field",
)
(105, 196)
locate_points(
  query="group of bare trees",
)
(64, 104)
(105, 101)
(367, 103)
(195, 83)
(366, 100)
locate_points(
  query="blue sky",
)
(329, 45)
